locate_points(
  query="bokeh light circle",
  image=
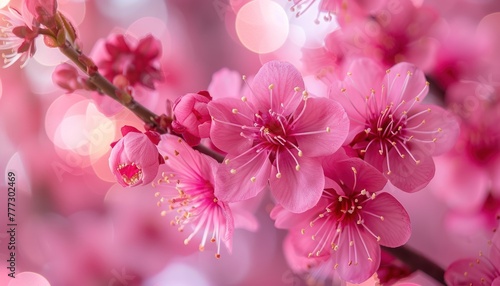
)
(29, 278)
(4, 3)
(262, 26)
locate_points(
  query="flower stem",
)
(106, 87)
(416, 261)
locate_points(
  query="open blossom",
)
(17, 37)
(484, 270)
(136, 60)
(470, 170)
(192, 119)
(132, 65)
(134, 159)
(390, 127)
(276, 134)
(399, 32)
(188, 186)
(348, 225)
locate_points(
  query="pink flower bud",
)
(192, 119)
(67, 77)
(43, 10)
(134, 159)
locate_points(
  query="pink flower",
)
(276, 135)
(17, 37)
(137, 61)
(187, 185)
(470, 170)
(192, 119)
(484, 270)
(390, 127)
(131, 64)
(349, 223)
(134, 159)
(400, 32)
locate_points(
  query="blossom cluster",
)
(328, 144)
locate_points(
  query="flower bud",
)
(67, 77)
(134, 159)
(192, 119)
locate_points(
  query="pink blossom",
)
(351, 220)
(133, 64)
(484, 270)
(390, 127)
(134, 159)
(471, 168)
(188, 186)
(399, 32)
(136, 60)
(276, 134)
(17, 37)
(192, 119)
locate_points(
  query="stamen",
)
(355, 177)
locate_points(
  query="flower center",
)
(272, 131)
(342, 220)
(272, 128)
(131, 173)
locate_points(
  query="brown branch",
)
(417, 261)
(107, 88)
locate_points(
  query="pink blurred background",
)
(76, 227)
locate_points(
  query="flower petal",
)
(495, 250)
(466, 183)
(285, 219)
(227, 125)
(439, 132)
(284, 78)
(243, 176)
(367, 177)
(405, 82)
(225, 83)
(228, 224)
(296, 249)
(297, 191)
(405, 173)
(322, 128)
(357, 261)
(470, 272)
(395, 228)
(185, 163)
(363, 76)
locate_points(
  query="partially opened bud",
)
(44, 11)
(67, 77)
(134, 159)
(192, 119)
